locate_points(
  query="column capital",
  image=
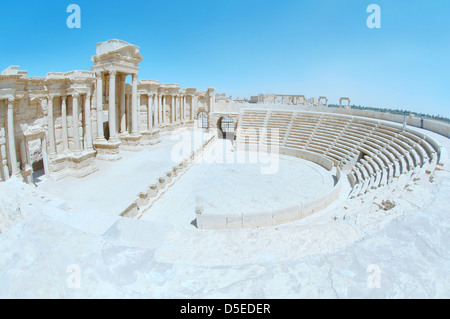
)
(10, 102)
(75, 95)
(112, 73)
(134, 76)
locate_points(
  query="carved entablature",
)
(56, 83)
(36, 84)
(81, 81)
(190, 91)
(169, 88)
(148, 86)
(201, 93)
(116, 55)
(12, 80)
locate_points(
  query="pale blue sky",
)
(246, 47)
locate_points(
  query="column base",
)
(108, 150)
(131, 142)
(58, 166)
(151, 137)
(5, 171)
(77, 164)
(27, 174)
(82, 164)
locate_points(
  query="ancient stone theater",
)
(139, 182)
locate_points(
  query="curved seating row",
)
(375, 152)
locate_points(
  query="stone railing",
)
(147, 198)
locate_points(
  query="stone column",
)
(87, 120)
(211, 100)
(128, 111)
(180, 109)
(192, 107)
(161, 109)
(184, 108)
(112, 106)
(44, 155)
(177, 108)
(123, 123)
(134, 106)
(51, 127)
(149, 112)
(138, 112)
(75, 125)
(106, 78)
(100, 133)
(173, 109)
(164, 113)
(25, 159)
(65, 138)
(11, 137)
(156, 100)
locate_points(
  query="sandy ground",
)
(352, 249)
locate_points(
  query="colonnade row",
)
(11, 156)
(124, 117)
(81, 103)
(167, 109)
(294, 100)
(72, 128)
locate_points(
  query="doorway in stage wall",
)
(202, 119)
(225, 126)
(35, 149)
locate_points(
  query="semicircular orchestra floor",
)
(223, 181)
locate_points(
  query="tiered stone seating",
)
(381, 153)
(277, 126)
(251, 126)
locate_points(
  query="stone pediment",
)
(117, 48)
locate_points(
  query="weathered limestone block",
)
(10, 212)
(142, 200)
(151, 137)
(58, 167)
(169, 177)
(27, 174)
(108, 151)
(83, 164)
(161, 182)
(131, 211)
(152, 191)
(131, 142)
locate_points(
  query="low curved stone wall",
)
(146, 198)
(277, 216)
